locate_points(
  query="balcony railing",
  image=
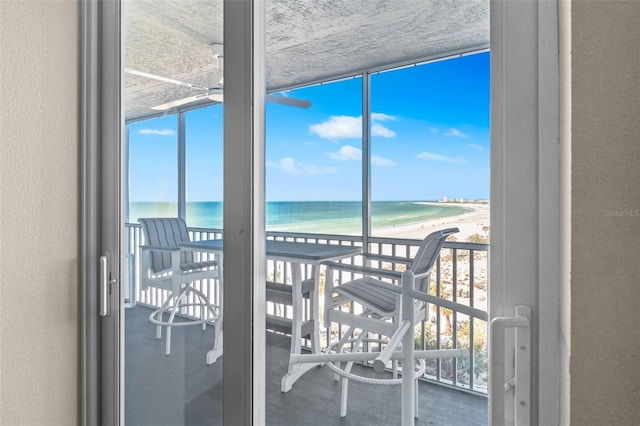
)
(460, 276)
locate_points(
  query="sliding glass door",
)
(181, 191)
(158, 153)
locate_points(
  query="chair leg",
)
(172, 306)
(339, 346)
(213, 316)
(174, 311)
(167, 349)
(345, 381)
(204, 301)
(343, 397)
(216, 352)
(161, 312)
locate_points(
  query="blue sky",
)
(429, 128)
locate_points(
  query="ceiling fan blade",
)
(162, 79)
(179, 102)
(217, 97)
(301, 103)
(284, 100)
(213, 94)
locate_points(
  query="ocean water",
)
(327, 217)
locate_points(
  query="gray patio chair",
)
(380, 305)
(165, 266)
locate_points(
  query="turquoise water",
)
(327, 217)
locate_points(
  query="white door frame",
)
(102, 124)
(244, 214)
(101, 219)
(528, 169)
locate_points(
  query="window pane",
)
(172, 286)
(204, 158)
(430, 148)
(153, 168)
(314, 160)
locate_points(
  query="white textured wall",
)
(605, 283)
(39, 221)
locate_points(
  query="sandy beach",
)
(472, 222)
(469, 223)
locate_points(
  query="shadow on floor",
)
(181, 389)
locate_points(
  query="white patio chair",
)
(165, 266)
(377, 293)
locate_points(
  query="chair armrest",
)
(386, 258)
(364, 270)
(159, 248)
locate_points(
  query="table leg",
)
(297, 370)
(315, 310)
(216, 351)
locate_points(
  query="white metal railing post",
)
(408, 381)
(522, 380)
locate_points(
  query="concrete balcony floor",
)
(181, 389)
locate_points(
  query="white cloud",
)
(455, 133)
(475, 146)
(348, 127)
(376, 160)
(438, 157)
(347, 152)
(380, 130)
(289, 165)
(338, 127)
(161, 132)
(379, 116)
(433, 130)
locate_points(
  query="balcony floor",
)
(180, 389)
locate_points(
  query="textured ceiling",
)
(307, 40)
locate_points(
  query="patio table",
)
(298, 254)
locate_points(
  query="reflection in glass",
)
(313, 177)
(430, 148)
(204, 166)
(173, 167)
(153, 168)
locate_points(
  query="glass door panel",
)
(204, 166)
(360, 167)
(172, 168)
(152, 178)
(313, 161)
(433, 170)
(435, 175)
(313, 185)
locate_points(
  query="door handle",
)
(105, 283)
(522, 380)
